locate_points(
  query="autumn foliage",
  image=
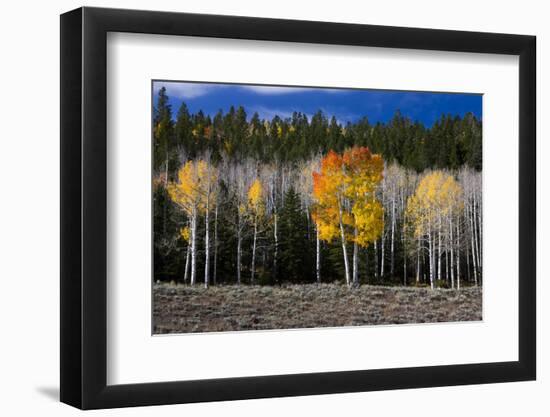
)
(431, 212)
(438, 195)
(346, 205)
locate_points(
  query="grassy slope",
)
(183, 309)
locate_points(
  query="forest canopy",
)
(450, 143)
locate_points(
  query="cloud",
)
(183, 90)
(279, 90)
(274, 90)
(189, 90)
(269, 113)
(341, 114)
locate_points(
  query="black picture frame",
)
(84, 207)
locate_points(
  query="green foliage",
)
(264, 277)
(168, 248)
(441, 283)
(295, 253)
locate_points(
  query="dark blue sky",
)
(345, 104)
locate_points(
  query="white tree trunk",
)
(480, 240)
(431, 255)
(239, 252)
(187, 258)
(344, 250)
(458, 256)
(439, 248)
(474, 265)
(317, 255)
(215, 266)
(446, 265)
(403, 236)
(468, 263)
(194, 247)
(392, 244)
(418, 261)
(355, 260)
(366, 266)
(476, 235)
(452, 252)
(207, 245)
(376, 259)
(382, 250)
(253, 266)
(276, 237)
(404, 258)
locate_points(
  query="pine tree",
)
(183, 130)
(162, 132)
(295, 253)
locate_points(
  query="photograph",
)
(293, 207)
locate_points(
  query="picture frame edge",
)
(83, 181)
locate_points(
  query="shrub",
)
(441, 283)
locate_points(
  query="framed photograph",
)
(256, 208)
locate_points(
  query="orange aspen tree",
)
(329, 190)
(346, 205)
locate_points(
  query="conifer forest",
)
(295, 219)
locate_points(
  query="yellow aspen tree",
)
(364, 172)
(255, 210)
(186, 194)
(437, 196)
(453, 207)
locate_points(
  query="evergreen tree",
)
(163, 127)
(183, 128)
(295, 251)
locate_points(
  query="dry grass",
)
(184, 309)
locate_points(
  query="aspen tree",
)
(346, 205)
(255, 211)
(186, 194)
(438, 195)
